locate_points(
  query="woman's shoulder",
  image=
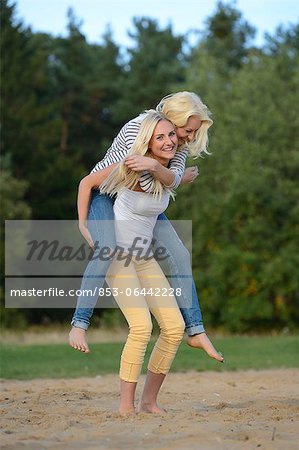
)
(137, 120)
(133, 125)
(131, 128)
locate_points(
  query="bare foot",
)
(126, 411)
(150, 408)
(77, 340)
(203, 342)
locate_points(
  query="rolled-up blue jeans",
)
(178, 263)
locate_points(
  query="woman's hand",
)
(85, 233)
(139, 163)
(191, 173)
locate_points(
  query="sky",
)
(51, 15)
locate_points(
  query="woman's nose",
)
(191, 136)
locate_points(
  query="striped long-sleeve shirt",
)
(121, 147)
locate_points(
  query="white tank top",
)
(135, 217)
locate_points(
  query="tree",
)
(87, 79)
(13, 206)
(227, 37)
(156, 62)
(222, 50)
(246, 253)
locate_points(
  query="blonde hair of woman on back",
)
(178, 108)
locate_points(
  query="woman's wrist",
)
(154, 166)
(82, 223)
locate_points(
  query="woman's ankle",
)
(149, 407)
(126, 409)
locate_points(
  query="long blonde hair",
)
(121, 176)
(178, 108)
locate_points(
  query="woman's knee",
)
(177, 251)
(141, 332)
(175, 331)
(182, 254)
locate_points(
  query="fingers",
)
(129, 160)
(133, 165)
(133, 157)
(134, 162)
(89, 240)
(91, 245)
(193, 173)
(138, 163)
(87, 236)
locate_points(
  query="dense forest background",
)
(64, 99)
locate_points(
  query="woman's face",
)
(164, 142)
(187, 133)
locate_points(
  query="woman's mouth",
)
(182, 140)
(168, 149)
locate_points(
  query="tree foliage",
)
(156, 62)
(63, 100)
(246, 220)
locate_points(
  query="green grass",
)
(60, 361)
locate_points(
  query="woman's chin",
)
(169, 155)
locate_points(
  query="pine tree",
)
(156, 62)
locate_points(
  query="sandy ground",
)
(208, 410)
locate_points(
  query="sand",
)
(206, 410)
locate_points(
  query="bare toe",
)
(150, 408)
(201, 341)
(77, 340)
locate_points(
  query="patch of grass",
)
(60, 361)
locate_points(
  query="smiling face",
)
(187, 133)
(163, 143)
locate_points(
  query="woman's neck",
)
(163, 162)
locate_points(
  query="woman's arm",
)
(149, 168)
(140, 163)
(191, 173)
(121, 145)
(171, 177)
(88, 183)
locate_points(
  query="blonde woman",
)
(192, 120)
(138, 282)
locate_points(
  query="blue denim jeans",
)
(178, 263)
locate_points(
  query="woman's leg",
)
(151, 389)
(99, 217)
(127, 397)
(136, 312)
(165, 309)
(178, 264)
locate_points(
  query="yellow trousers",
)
(141, 289)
